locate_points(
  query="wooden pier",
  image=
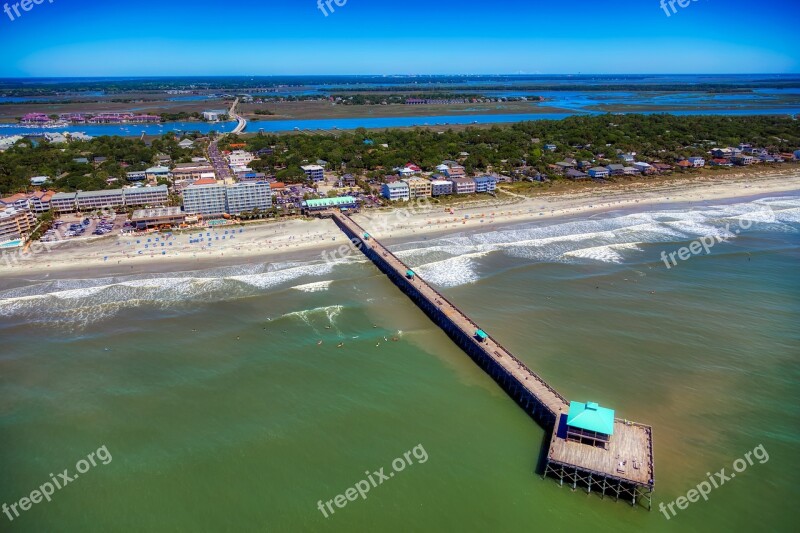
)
(624, 469)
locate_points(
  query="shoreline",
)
(289, 240)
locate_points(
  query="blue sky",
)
(268, 37)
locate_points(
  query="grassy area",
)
(323, 110)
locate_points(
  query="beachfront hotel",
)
(15, 223)
(211, 198)
(244, 197)
(205, 199)
(70, 202)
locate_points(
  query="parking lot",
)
(72, 227)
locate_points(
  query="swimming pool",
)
(11, 244)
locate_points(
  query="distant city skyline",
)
(194, 38)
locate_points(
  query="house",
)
(418, 188)
(627, 158)
(154, 173)
(725, 153)
(743, 160)
(441, 187)
(456, 171)
(630, 171)
(662, 167)
(315, 173)
(644, 168)
(38, 181)
(797, 155)
(265, 152)
(396, 191)
(186, 143)
(81, 160)
(348, 180)
(697, 162)
(550, 147)
(100, 160)
(575, 174)
(600, 172)
(442, 168)
(486, 184)
(614, 169)
(136, 176)
(684, 163)
(564, 165)
(463, 185)
(588, 423)
(721, 162)
(406, 172)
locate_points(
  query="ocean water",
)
(223, 412)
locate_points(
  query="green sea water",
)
(222, 412)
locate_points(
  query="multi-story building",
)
(92, 200)
(40, 201)
(314, 172)
(193, 171)
(205, 199)
(396, 191)
(154, 173)
(485, 184)
(240, 158)
(455, 171)
(418, 188)
(463, 186)
(243, 197)
(15, 223)
(139, 196)
(64, 202)
(601, 172)
(697, 162)
(441, 187)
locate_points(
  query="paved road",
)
(242, 123)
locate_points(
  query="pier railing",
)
(401, 267)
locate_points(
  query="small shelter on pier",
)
(588, 423)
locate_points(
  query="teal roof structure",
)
(330, 202)
(591, 417)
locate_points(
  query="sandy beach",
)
(199, 248)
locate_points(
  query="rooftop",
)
(591, 417)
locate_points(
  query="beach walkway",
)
(623, 469)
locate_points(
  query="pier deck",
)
(625, 468)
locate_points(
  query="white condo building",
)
(243, 197)
(204, 200)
